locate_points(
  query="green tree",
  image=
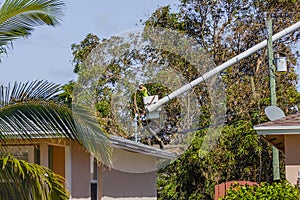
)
(19, 17)
(67, 95)
(82, 50)
(114, 65)
(226, 29)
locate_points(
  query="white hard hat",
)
(141, 83)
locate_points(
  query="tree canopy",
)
(223, 29)
(226, 29)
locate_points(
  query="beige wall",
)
(81, 183)
(44, 154)
(128, 184)
(292, 157)
(127, 161)
(129, 198)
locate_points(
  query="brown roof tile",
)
(291, 120)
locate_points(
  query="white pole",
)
(211, 73)
(135, 121)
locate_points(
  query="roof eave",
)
(277, 130)
(132, 146)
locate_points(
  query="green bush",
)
(275, 191)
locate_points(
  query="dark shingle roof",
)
(274, 131)
(291, 120)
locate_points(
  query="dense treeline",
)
(224, 29)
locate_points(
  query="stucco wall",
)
(132, 162)
(128, 186)
(129, 198)
(81, 183)
(292, 157)
(126, 183)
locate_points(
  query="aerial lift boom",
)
(154, 106)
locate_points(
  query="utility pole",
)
(276, 171)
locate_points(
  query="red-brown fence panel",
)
(220, 190)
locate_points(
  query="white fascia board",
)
(277, 130)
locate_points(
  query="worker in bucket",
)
(143, 90)
(144, 93)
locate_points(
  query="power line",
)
(45, 45)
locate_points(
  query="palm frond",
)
(92, 137)
(29, 181)
(19, 17)
(29, 111)
(36, 119)
(21, 92)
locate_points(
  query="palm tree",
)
(31, 110)
(19, 17)
(23, 180)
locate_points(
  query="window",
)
(25, 152)
(28, 153)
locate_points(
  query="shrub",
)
(277, 190)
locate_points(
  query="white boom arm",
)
(232, 61)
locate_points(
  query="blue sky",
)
(47, 54)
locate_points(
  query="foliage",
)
(115, 63)
(29, 181)
(82, 50)
(66, 96)
(19, 17)
(194, 175)
(106, 77)
(30, 108)
(226, 29)
(28, 111)
(276, 190)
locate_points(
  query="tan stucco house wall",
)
(135, 174)
(284, 134)
(132, 174)
(292, 157)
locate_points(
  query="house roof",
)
(129, 145)
(274, 131)
(291, 120)
(285, 125)
(115, 141)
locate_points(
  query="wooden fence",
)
(220, 190)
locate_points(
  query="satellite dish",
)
(274, 112)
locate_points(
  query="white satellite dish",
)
(274, 112)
